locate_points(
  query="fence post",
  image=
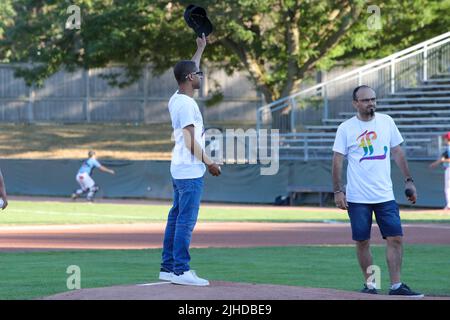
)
(425, 63)
(305, 144)
(258, 121)
(293, 107)
(260, 111)
(325, 102)
(31, 99)
(392, 76)
(87, 100)
(146, 79)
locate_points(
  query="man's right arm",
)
(339, 195)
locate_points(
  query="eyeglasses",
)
(197, 73)
(367, 100)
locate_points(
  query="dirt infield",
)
(219, 290)
(211, 234)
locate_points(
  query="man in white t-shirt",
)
(187, 169)
(367, 140)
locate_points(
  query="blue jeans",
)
(387, 216)
(180, 224)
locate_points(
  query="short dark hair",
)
(355, 91)
(182, 69)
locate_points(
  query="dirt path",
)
(211, 234)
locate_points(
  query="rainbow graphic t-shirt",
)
(367, 146)
(366, 143)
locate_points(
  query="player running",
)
(85, 180)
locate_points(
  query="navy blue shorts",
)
(386, 214)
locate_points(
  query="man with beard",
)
(367, 140)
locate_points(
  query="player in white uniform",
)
(445, 160)
(3, 200)
(84, 178)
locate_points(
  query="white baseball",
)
(1, 203)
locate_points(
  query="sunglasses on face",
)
(197, 73)
(367, 100)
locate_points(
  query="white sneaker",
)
(165, 276)
(189, 278)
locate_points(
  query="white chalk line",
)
(78, 214)
(153, 284)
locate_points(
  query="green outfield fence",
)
(238, 183)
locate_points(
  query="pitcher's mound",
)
(218, 290)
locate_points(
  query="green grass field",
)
(40, 213)
(26, 275)
(36, 274)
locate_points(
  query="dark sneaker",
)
(404, 290)
(369, 291)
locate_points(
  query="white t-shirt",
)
(367, 145)
(184, 111)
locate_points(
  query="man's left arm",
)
(400, 160)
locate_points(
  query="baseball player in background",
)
(84, 177)
(445, 160)
(3, 200)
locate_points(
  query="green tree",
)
(278, 42)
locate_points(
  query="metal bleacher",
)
(412, 86)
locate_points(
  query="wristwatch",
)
(409, 179)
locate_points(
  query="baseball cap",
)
(196, 18)
(446, 136)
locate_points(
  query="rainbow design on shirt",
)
(366, 143)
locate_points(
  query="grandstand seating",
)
(421, 113)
